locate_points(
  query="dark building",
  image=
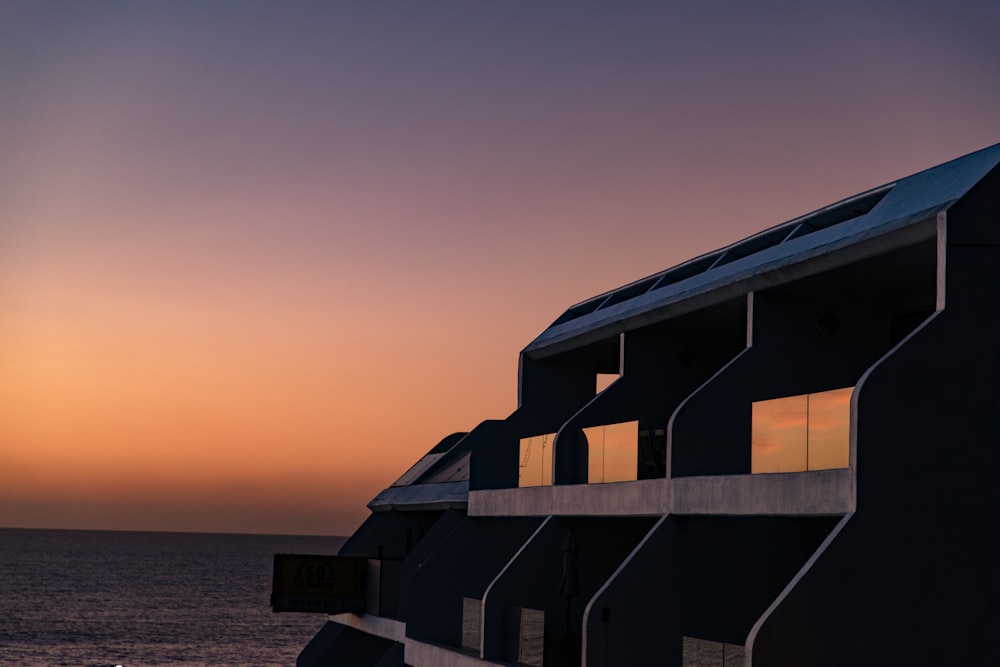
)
(797, 463)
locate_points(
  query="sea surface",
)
(99, 598)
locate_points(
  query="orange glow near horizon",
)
(160, 406)
(255, 261)
(176, 412)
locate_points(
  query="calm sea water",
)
(89, 598)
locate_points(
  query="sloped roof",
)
(864, 225)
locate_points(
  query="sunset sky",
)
(258, 257)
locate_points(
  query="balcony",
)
(805, 432)
(535, 460)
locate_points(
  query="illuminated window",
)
(806, 432)
(612, 452)
(535, 463)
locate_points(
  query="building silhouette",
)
(796, 463)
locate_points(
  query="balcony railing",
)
(612, 452)
(535, 460)
(805, 432)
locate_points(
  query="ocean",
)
(99, 598)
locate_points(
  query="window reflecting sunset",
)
(613, 452)
(805, 432)
(535, 460)
(829, 429)
(778, 437)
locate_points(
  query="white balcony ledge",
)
(815, 492)
(643, 497)
(810, 493)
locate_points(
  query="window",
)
(612, 452)
(535, 462)
(805, 432)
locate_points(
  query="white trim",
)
(621, 354)
(942, 258)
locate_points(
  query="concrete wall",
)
(621, 632)
(815, 492)
(494, 461)
(647, 497)
(422, 654)
(533, 581)
(730, 569)
(973, 220)
(389, 534)
(791, 355)
(495, 445)
(911, 579)
(560, 385)
(397, 542)
(704, 577)
(661, 365)
(385, 628)
(423, 551)
(337, 645)
(462, 566)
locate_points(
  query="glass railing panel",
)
(612, 452)
(778, 435)
(829, 437)
(535, 460)
(621, 452)
(805, 432)
(595, 454)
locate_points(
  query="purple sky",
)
(236, 236)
